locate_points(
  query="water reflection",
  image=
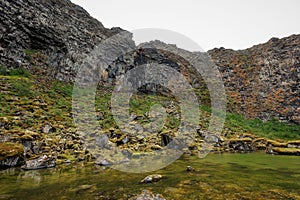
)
(234, 176)
(32, 176)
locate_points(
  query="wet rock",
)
(11, 162)
(11, 155)
(152, 178)
(40, 163)
(190, 169)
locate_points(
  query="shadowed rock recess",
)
(51, 38)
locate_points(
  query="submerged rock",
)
(40, 163)
(82, 188)
(148, 195)
(152, 178)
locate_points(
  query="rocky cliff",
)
(264, 80)
(47, 34)
(50, 36)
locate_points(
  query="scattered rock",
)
(190, 169)
(47, 128)
(152, 178)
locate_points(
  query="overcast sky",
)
(236, 24)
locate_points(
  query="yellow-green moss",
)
(9, 149)
(292, 151)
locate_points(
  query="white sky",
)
(235, 24)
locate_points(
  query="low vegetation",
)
(52, 102)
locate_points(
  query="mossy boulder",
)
(275, 143)
(11, 155)
(286, 151)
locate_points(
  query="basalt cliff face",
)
(48, 34)
(264, 80)
(49, 37)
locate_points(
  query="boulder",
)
(40, 163)
(11, 155)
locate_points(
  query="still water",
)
(217, 176)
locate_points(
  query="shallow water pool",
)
(217, 176)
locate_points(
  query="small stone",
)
(190, 169)
(47, 128)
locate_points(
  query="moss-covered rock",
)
(286, 151)
(11, 155)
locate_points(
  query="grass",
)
(29, 53)
(139, 105)
(61, 89)
(22, 88)
(22, 72)
(272, 129)
(58, 97)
